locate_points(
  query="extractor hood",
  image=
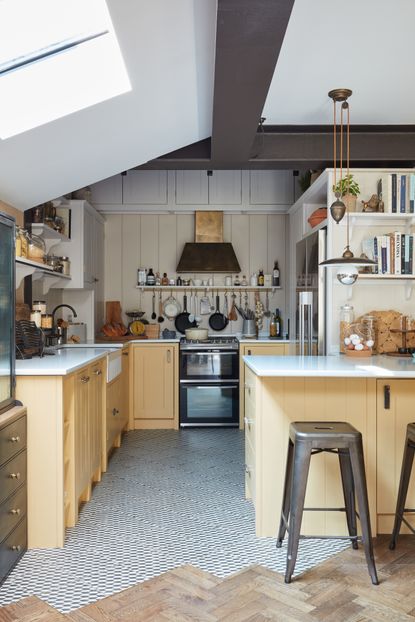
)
(208, 253)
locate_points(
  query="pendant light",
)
(347, 263)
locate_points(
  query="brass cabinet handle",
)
(15, 511)
(115, 412)
(386, 397)
(16, 547)
(15, 475)
(249, 352)
(168, 356)
(125, 353)
(15, 439)
(98, 372)
(85, 379)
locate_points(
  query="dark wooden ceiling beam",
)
(290, 147)
(249, 37)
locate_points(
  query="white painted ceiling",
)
(364, 45)
(168, 49)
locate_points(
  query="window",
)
(56, 57)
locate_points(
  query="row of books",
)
(393, 252)
(398, 192)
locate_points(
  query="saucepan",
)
(196, 334)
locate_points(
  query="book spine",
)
(394, 193)
(407, 236)
(388, 254)
(403, 253)
(376, 254)
(397, 252)
(411, 193)
(392, 254)
(387, 193)
(411, 255)
(384, 254)
(403, 194)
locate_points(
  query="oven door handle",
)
(221, 386)
(207, 352)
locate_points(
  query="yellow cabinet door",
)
(82, 432)
(154, 378)
(95, 415)
(395, 409)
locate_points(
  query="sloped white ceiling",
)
(168, 49)
(366, 46)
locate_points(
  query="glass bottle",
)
(244, 281)
(179, 281)
(151, 279)
(237, 281)
(165, 280)
(276, 275)
(254, 280)
(272, 327)
(278, 322)
(158, 279)
(261, 278)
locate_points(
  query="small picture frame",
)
(65, 214)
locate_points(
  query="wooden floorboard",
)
(339, 590)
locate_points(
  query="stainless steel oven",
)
(209, 382)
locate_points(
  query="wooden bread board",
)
(105, 339)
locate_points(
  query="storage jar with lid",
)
(24, 240)
(346, 319)
(54, 262)
(47, 321)
(36, 248)
(66, 265)
(39, 305)
(35, 316)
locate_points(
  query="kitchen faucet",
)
(61, 332)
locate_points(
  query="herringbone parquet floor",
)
(339, 590)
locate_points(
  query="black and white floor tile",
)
(169, 498)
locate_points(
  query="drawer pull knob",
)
(15, 511)
(15, 439)
(98, 372)
(85, 379)
(248, 422)
(248, 469)
(16, 547)
(115, 412)
(15, 475)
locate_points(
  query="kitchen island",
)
(376, 395)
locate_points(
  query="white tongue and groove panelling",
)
(156, 241)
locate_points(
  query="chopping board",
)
(105, 339)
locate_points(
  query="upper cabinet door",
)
(107, 191)
(271, 188)
(192, 188)
(145, 188)
(225, 188)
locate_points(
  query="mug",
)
(228, 281)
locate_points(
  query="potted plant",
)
(349, 190)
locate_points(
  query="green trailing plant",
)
(347, 185)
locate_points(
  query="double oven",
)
(209, 382)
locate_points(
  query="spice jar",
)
(39, 305)
(47, 321)
(66, 265)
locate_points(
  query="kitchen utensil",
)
(137, 328)
(205, 304)
(249, 328)
(267, 312)
(225, 306)
(171, 308)
(198, 317)
(182, 320)
(191, 308)
(197, 334)
(154, 315)
(160, 317)
(217, 320)
(232, 313)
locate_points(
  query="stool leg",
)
(285, 511)
(348, 493)
(407, 461)
(302, 455)
(359, 476)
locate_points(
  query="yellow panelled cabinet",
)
(271, 404)
(391, 432)
(82, 432)
(96, 389)
(114, 416)
(155, 385)
(267, 348)
(126, 386)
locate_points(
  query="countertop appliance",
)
(7, 312)
(311, 293)
(209, 382)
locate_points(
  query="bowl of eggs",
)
(357, 345)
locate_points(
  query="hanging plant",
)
(347, 185)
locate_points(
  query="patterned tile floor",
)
(169, 498)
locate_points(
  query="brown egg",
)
(366, 348)
(350, 346)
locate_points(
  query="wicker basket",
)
(152, 331)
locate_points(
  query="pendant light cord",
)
(335, 142)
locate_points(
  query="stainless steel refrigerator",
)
(7, 312)
(311, 293)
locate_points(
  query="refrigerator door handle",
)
(306, 306)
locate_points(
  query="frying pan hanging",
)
(182, 321)
(217, 320)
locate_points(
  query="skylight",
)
(56, 57)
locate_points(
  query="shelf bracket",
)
(408, 290)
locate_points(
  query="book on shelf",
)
(392, 252)
(397, 192)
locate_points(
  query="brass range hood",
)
(208, 253)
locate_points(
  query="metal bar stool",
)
(407, 461)
(309, 438)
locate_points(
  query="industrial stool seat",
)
(407, 461)
(308, 438)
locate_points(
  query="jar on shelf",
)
(24, 242)
(39, 305)
(346, 319)
(357, 341)
(47, 321)
(36, 248)
(66, 265)
(369, 331)
(18, 243)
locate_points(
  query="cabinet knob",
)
(249, 352)
(248, 422)
(248, 469)
(16, 547)
(15, 439)
(15, 475)
(95, 280)
(85, 379)
(15, 511)
(168, 356)
(115, 412)
(98, 372)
